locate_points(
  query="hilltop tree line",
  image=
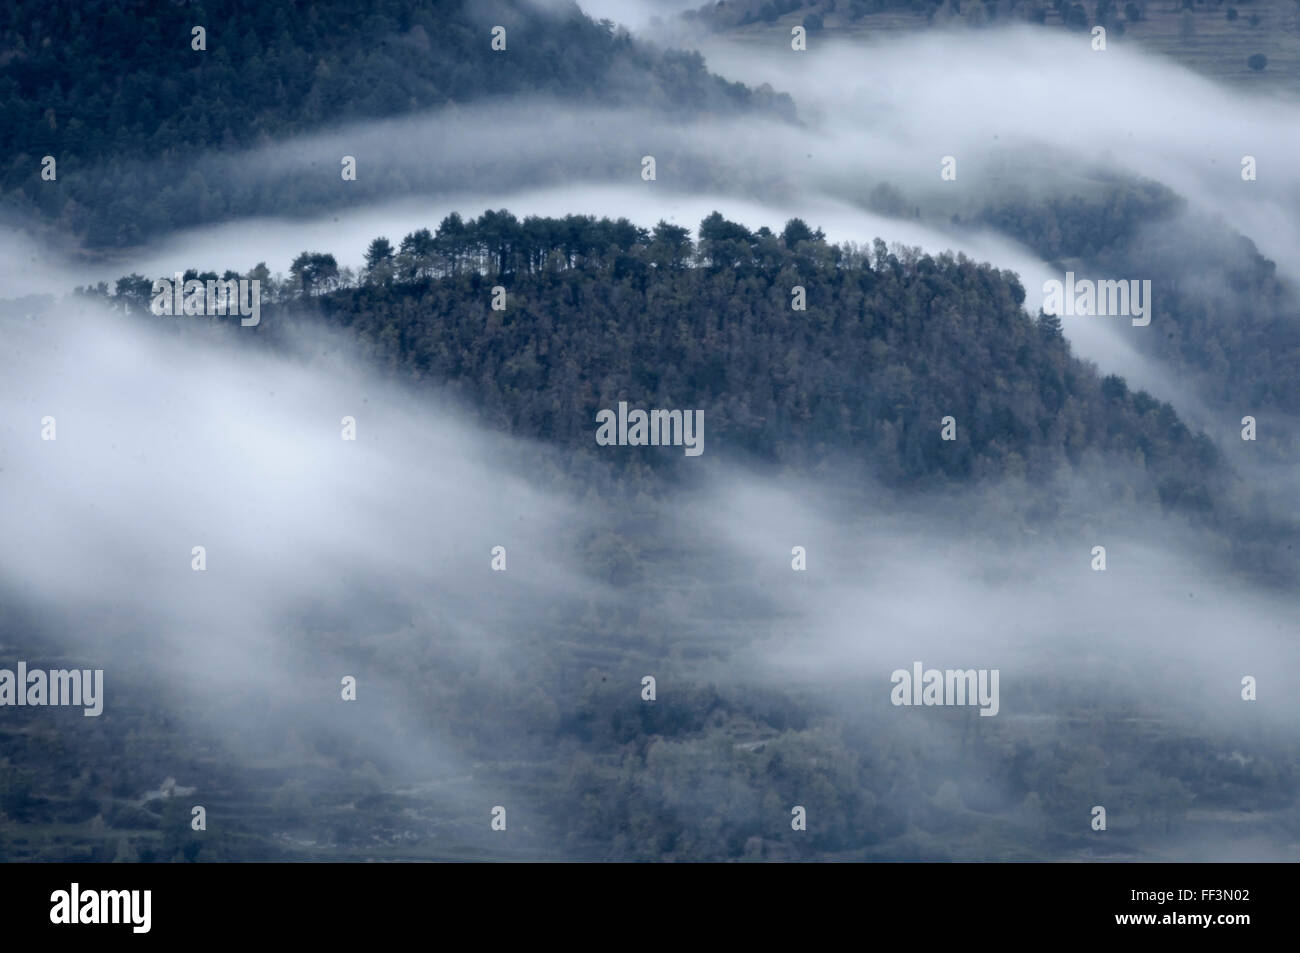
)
(891, 341)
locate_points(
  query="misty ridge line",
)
(456, 142)
(510, 124)
(495, 244)
(359, 182)
(465, 254)
(450, 57)
(499, 244)
(1015, 80)
(345, 280)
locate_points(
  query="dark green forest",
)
(891, 342)
(599, 311)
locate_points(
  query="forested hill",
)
(270, 71)
(890, 343)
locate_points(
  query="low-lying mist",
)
(373, 558)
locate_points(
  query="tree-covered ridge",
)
(281, 70)
(891, 342)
